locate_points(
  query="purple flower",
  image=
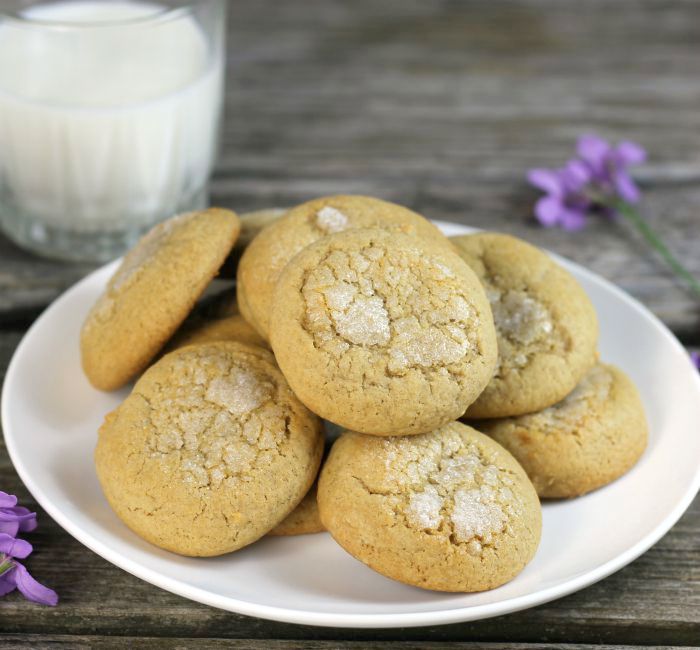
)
(14, 575)
(695, 358)
(14, 518)
(592, 182)
(11, 547)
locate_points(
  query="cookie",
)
(546, 325)
(151, 293)
(231, 328)
(245, 310)
(303, 520)
(383, 333)
(210, 451)
(251, 224)
(587, 440)
(449, 510)
(262, 262)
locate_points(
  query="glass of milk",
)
(109, 119)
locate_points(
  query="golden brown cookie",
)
(230, 328)
(251, 224)
(587, 440)
(546, 325)
(210, 451)
(383, 333)
(151, 293)
(303, 520)
(245, 310)
(449, 510)
(262, 262)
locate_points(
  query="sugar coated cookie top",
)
(263, 261)
(448, 510)
(209, 451)
(382, 332)
(546, 325)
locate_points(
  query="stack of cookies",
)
(463, 374)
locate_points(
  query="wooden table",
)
(442, 106)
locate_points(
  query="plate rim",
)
(330, 619)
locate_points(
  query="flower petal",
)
(579, 170)
(7, 582)
(575, 175)
(630, 153)
(573, 220)
(24, 517)
(10, 527)
(7, 500)
(547, 210)
(31, 589)
(14, 547)
(593, 149)
(547, 180)
(626, 187)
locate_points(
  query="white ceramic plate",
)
(50, 417)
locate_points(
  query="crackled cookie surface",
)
(587, 440)
(263, 261)
(382, 333)
(210, 451)
(151, 293)
(449, 510)
(546, 325)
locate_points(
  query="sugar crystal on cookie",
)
(216, 404)
(364, 322)
(424, 508)
(377, 297)
(240, 392)
(593, 388)
(330, 220)
(477, 513)
(450, 484)
(519, 317)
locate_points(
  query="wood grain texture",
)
(442, 106)
(49, 642)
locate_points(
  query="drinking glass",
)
(109, 119)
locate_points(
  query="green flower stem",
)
(627, 211)
(5, 564)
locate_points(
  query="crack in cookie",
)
(409, 307)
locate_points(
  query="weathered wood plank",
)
(49, 642)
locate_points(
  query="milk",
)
(109, 127)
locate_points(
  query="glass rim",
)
(162, 13)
